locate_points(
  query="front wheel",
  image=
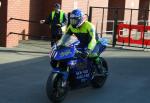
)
(100, 74)
(56, 87)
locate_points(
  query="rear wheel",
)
(56, 88)
(100, 73)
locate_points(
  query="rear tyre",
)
(100, 74)
(56, 88)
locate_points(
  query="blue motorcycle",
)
(70, 70)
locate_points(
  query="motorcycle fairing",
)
(64, 53)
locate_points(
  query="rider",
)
(83, 30)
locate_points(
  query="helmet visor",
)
(74, 21)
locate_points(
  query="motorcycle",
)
(70, 70)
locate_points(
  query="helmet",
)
(57, 7)
(76, 18)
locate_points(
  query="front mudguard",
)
(64, 74)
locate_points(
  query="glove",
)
(86, 53)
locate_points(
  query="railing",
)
(23, 34)
(107, 21)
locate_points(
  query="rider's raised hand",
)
(42, 21)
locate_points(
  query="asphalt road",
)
(128, 82)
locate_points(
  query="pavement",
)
(39, 48)
(26, 50)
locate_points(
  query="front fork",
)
(63, 74)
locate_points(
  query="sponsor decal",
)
(65, 53)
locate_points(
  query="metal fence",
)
(109, 24)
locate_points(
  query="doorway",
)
(143, 11)
(116, 9)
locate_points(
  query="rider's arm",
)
(92, 33)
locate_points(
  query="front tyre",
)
(56, 88)
(100, 74)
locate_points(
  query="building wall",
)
(18, 9)
(67, 6)
(25, 10)
(35, 10)
(131, 4)
(84, 6)
(97, 18)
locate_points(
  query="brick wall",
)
(84, 4)
(97, 14)
(67, 6)
(132, 4)
(25, 10)
(18, 9)
(35, 10)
